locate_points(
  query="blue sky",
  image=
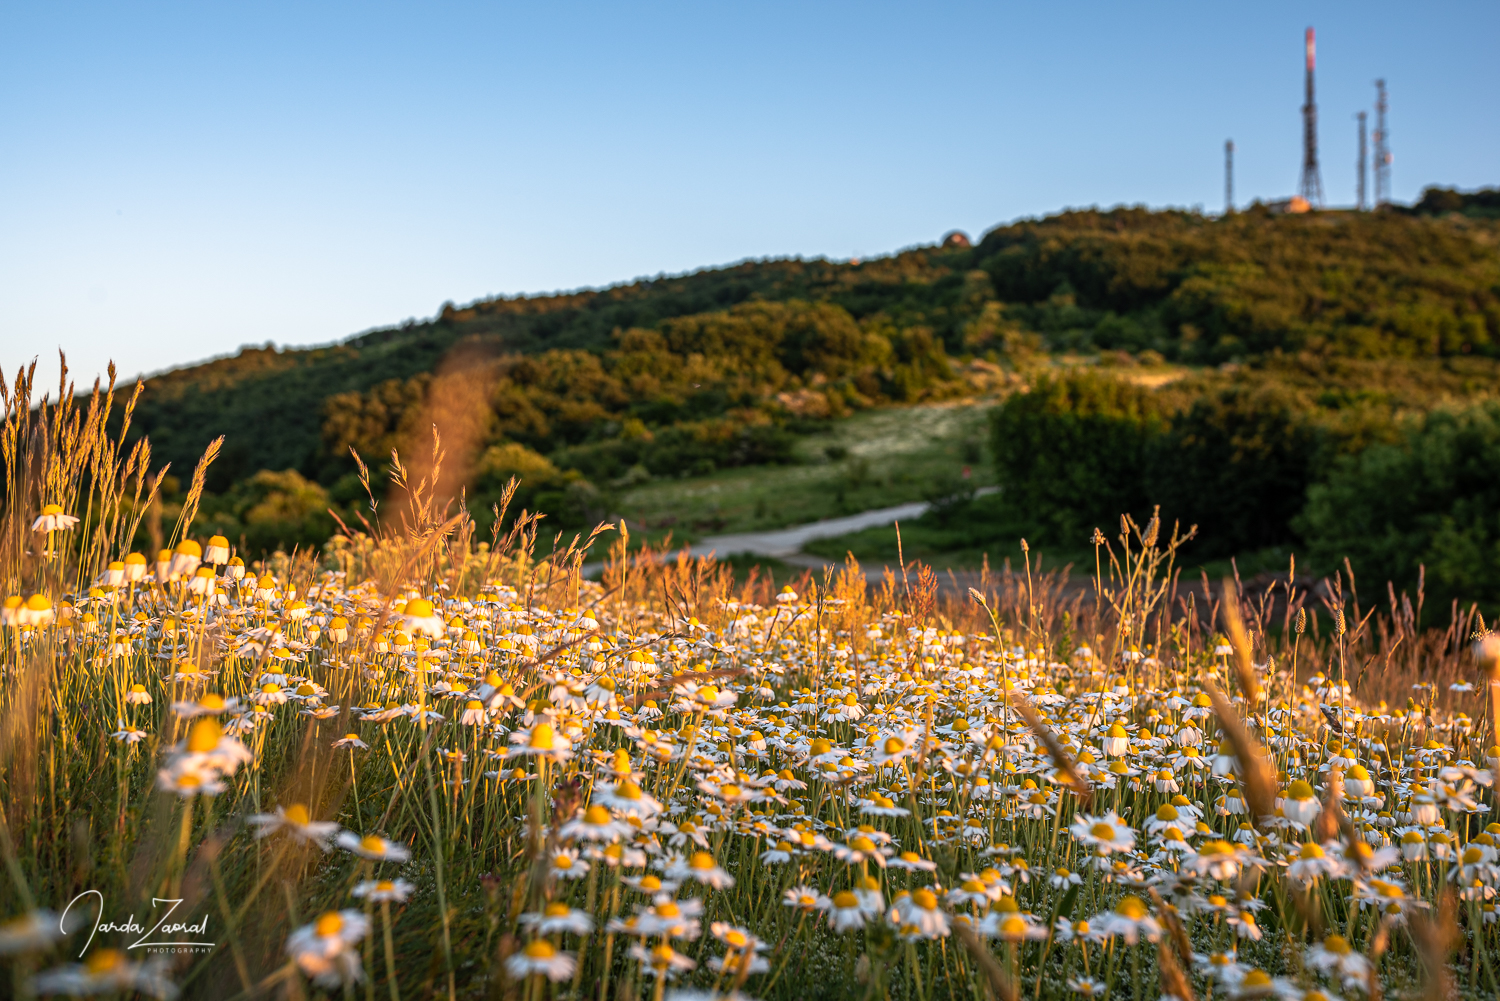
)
(177, 180)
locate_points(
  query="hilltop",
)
(1327, 329)
(1185, 287)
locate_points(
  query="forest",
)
(1305, 358)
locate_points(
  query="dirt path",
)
(786, 544)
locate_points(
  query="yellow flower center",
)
(329, 923)
(1337, 944)
(297, 814)
(204, 736)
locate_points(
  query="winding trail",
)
(786, 544)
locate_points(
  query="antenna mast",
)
(1362, 205)
(1228, 176)
(1311, 185)
(1382, 149)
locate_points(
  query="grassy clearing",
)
(877, 458)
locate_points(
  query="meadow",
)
(417, 762)
(875, 458)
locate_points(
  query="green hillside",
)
(1323, 331)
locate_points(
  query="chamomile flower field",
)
(416, 763)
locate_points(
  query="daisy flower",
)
(296, 821)
(108, 971)
(1106, 834)
(381, 891)
(540, 959)
(373, 847)
(559, 917)
(326, 949)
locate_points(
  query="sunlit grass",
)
(419, 765)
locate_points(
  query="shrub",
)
(1432, 500)
(1072, 451)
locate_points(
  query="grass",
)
(415, 764)
(876, 458)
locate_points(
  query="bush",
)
(269, 511)
(1432, 500)
(1072, 453)
(1237, 463)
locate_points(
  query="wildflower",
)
(127, 734)
(845, 913)
(662, 961)
(596, 824)
(918, 915)
(381, 891)
(1117, 741)
(859, 849)
(671, 918)
(559, 917)
(913, 862)
(52, 519)
(351, 740)
(1335, 953)
(208, 704)
(1218, 859)
(184, 561)
(627, 798)
(421, 618)
(217, 551)
(325, 950)
(1130, 920)
(373, 847)
(1106, 834)
(296, 821)
(1312, 863)
(1300, 805)
(567, 865)
(37, 611)
(108, 971)
(1089, 987)
(207, 748)
(704, 869)
(189, 781)
(30, 932)
(803, 897)
(541, 740)
(1013, 926)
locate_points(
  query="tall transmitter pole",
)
(1311, 185)
(1228, 176)
(1362, 205)
(1382, 149)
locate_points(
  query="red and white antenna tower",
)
(1311, 185)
